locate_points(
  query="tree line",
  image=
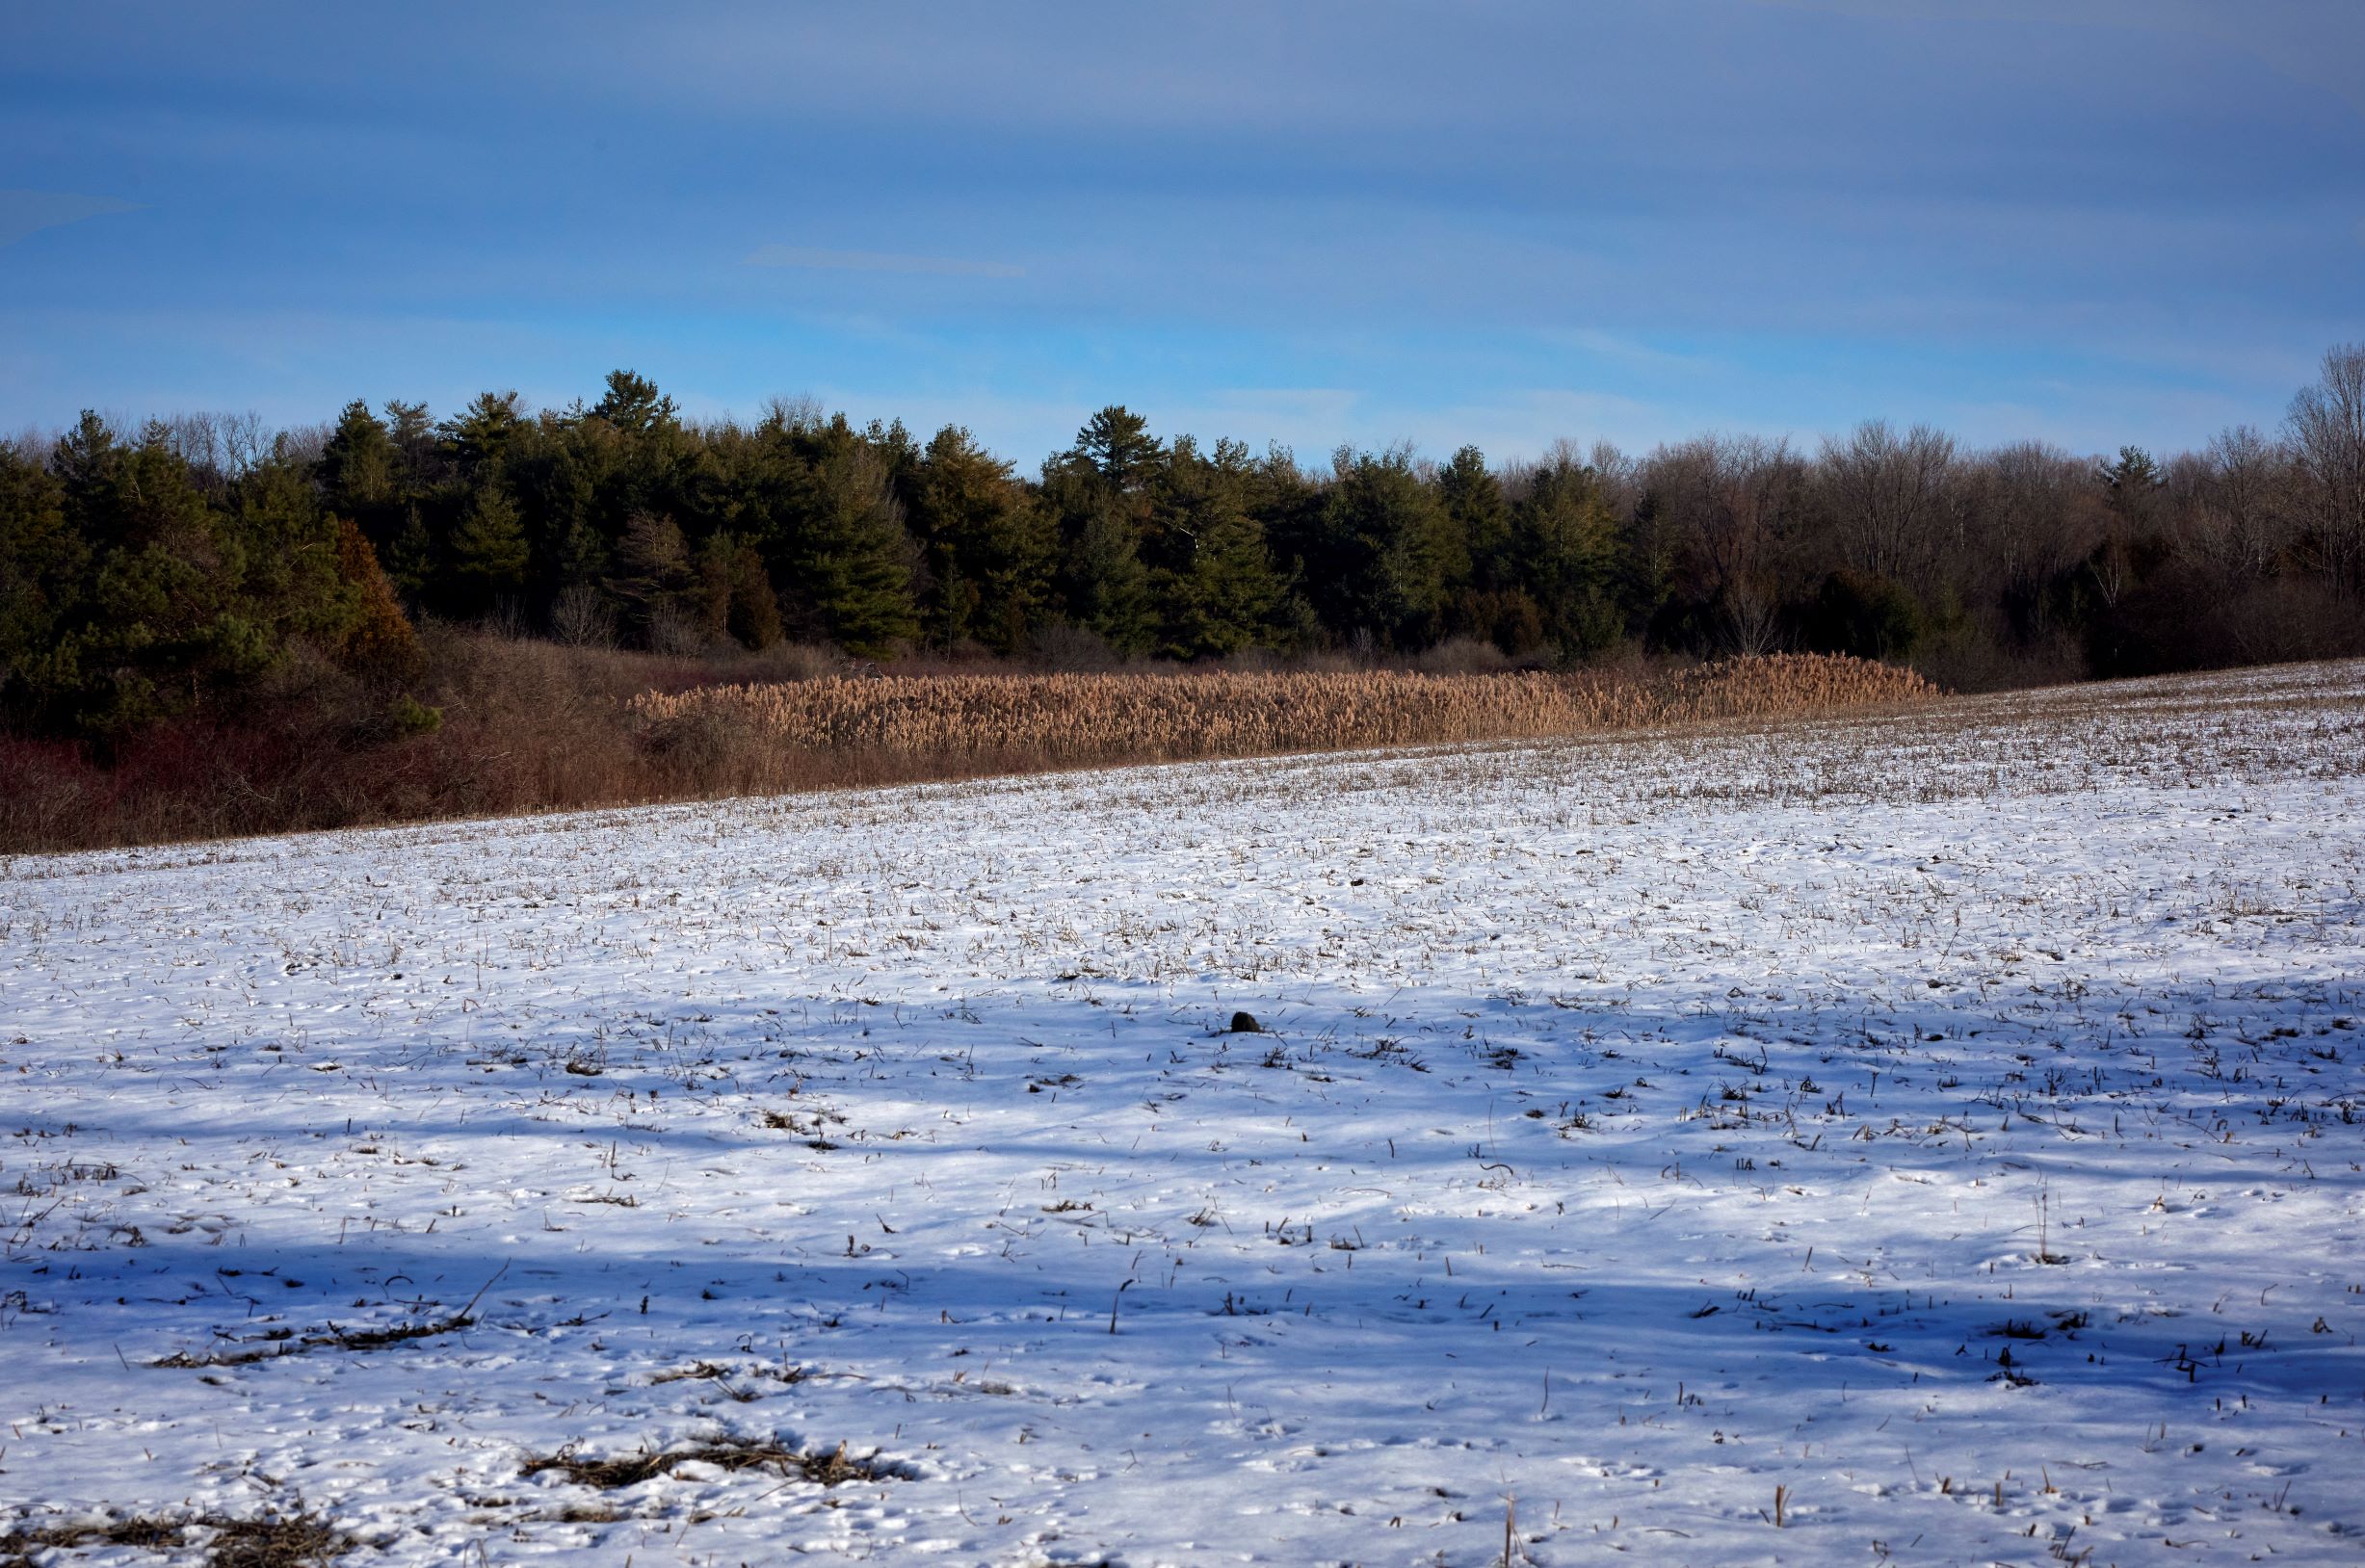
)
(144, 573)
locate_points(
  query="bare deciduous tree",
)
(580, 616)
(2328, 438)
(2029, 515)
(2238, 515)
(1889, 498)
(1731, 502)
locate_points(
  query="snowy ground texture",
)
(1949, 1121)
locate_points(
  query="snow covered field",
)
(1947, 1124)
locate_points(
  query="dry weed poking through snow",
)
(1920, 1137)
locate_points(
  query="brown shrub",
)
(382, 639)
(536, 726)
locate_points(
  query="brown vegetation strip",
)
(531, 726)
(1073, 721)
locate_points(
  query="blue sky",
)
(2092, 221)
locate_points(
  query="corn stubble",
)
(902, 725)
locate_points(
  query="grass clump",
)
(289, 1539)
(731, 1453)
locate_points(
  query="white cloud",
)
(24, 213)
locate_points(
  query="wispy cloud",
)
(2287, 35)
(878, 261)
(1629, 351)
(24, 213)
(1319, 404)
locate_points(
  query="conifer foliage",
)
(153, 572)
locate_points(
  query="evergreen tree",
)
(734, 594)
(1220, 588)
(986, 546)
(1566, 542)
(357, 466)
(487, 555)
(43, 562)
(2134, 492)
(1481, 558)
(768, 491)
(556, 498)
(85, 462)
(634, 407)
(164, 620)
(1116, 442)
(1379, 572)
(897, 457)
(410, 557)
(632, 451)
(1480, 551)
(1107, 587)
(851, 564)
(291, 587)
(418, 461)
(479, 436)
(2132, 480)
(1098, 491)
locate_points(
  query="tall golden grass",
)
(530, 727)
(965, 721)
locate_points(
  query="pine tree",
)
(1220, 588)
(410, 555)
(1479, 522)
(479, 436)
(1108, 588)
(1228, 600)
(1116, 442)
(986, 546)
(851, 560)
(555, 494)
(417, 461)
(2135, 489)
(290, 586)
(634, 405)
(1567, 544)
(85, 462)
(733, 593)
(165, 619)
(42, 562)
(756, 609)
(1381, 539)
(486, 554)
(356, 465)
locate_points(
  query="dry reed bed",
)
(1072, 721)
(531, 727)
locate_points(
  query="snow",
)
(1949, 1119)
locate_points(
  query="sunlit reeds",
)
(1082, 719)
(531, 726)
